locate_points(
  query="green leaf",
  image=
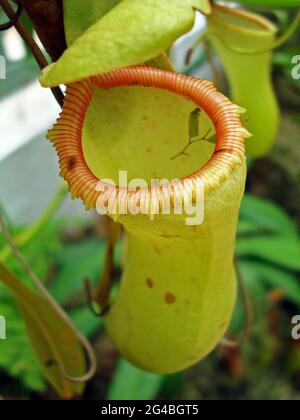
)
(267, 215)
(16, 355)
(29, 233)
(173, 385)
(133, 32)
(50, 336)
(276, 278)
(47, 245)
(282, 251)
(131, 383)
(79, 15)
(252, 280)
(248, 227)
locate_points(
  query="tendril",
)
(233, 344)
(51, 301)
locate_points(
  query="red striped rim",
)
(66, 134)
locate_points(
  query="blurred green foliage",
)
(268, 251)
(130, 382)
(45, 253)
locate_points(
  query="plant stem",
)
(193, 141)
(34, 48)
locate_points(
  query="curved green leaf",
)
(131, 33)
(51, 337)
(131, 383)
(267, 215)
(282, 251)
(79, 15)
(276, 278)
